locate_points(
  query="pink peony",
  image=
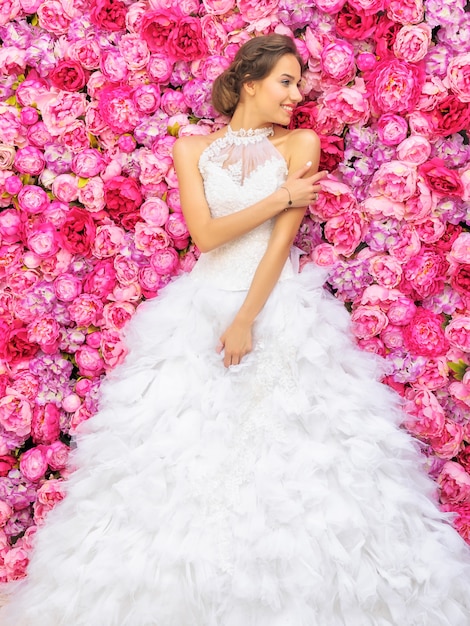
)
(426, 272)
(29, 160)
(164, 261)
(33, 199)
(395, 180)
(57, 454)
(337, 62)
(78, 232)
(392, 129)
(368, 321)
(455, 483)
(424, 415)
(386, 270)
(45, 428)
(15, 562)
(412, 42)
(117, 107)
(449, 442)
(33, 464)
(185, 41)
(109, 14)
(442, 180)
(414, 150)
(89, 361)
(458, 332)
(406, 11)
(86, 310)
(345, 231)
(458, 75)
(67, 287)
(156, 27)
(407, 81)
(43, 240)
(15, 415)
(424, 335)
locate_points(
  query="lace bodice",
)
(239, 169)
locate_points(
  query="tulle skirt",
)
(279, 492)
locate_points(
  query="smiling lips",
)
(288, 107)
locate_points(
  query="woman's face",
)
(276, 96)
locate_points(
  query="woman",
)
(246, 468)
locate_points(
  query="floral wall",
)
(93, 94)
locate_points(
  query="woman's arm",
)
(208, 232)
(237, 339)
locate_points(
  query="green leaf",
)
(458, 367)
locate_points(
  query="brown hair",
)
(253, 61)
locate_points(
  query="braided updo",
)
(253, 61)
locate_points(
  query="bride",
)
(246, 467)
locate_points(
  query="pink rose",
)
(324, 255)
(44, 331)
(29, 160)
(150, 238)
(406, 11)
(67, 287)
(68, 75)
(392, 129)
(337, 62)
(134, 51)
(426, 272)
(330, 6)
(147, 98)
(57, 454)
(55, 16)
(112, 348)
(412, 42)
(176, 227)
(5, 512)
(102, 280)
(449, 442)
(15, 415)
(127, 270)
(458, 332)
(108, 14)
(424, 334)
(117, 314)
(45, 427)
(368, 321)
(455, 483)
(113, 66)
(156, 27)
(92, 195)
(458, 72)
(149, 280)
(414, 150)
(368, 7)
(354, 24)
(424, 415)
(345, 232)
(10, 225)
(407, 80)
(165, 261)
(460, 251)
(395, 180)
(33, 199)
(154, 212)
(347, 105)
(442, 180)
(43, 240)
(60, 110)
(117, 107)
(89, 361)
(386, 270)
(88, 163)
(108, 241)
(435, 374)
(392, 337)
(86, 310)
(15, 562)
(78, 232)
(33, 464)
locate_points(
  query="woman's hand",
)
(303, 191)
(236, 342)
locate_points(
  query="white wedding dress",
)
(279, 492)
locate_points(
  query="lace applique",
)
(239, 169)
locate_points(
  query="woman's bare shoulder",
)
(289, 142)
(192, 146)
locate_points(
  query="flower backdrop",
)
(93, 95)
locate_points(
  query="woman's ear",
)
(249, 87)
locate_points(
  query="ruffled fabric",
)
(279, 492)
